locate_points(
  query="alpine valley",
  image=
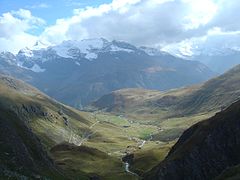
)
(140, 114)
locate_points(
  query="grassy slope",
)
(39, 113)
(89, 160)
(175, 110)
(165, 115)
(45, 117)
(210, 96)
(143, 113)
(150, 156)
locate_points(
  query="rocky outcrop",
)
(204, 150)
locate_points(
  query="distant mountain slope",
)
(211, 96)
(204, 150)
(125, 99)
(219, 57)
(78, 72)
(215, 94)
(220, 63)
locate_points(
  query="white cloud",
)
(145, 22)
(215, 41)
(14, 27)
(179, 25)
(201, 12)
(38, 6)
(221, 33)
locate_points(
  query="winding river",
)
(127, 165)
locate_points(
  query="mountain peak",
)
(153, 51)
(25, 52)
(40, 45)
(88, 47)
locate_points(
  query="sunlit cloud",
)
(14, 27)
(172, 25)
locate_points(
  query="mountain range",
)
(78, 72)
(215, 53)
(151, 115)
(219, 62)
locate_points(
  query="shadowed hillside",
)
(22, 154)
(204, 150)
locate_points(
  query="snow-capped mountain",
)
(219, 53)
(78, 72)
(153, 51)
(87, 49)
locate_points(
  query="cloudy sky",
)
(177, 26)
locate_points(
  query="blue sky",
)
(49, 10)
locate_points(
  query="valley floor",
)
(101, 152)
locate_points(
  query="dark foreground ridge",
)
(205, 150)
(22, 155)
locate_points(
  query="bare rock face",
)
(205, 150)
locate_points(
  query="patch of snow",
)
(116, 48)
(20, 64)
(77, 63)
(91, 56)
(39, 45)
(26, 52)
(201, 68)
(62, 51)
(152, 51)
(36, 68)
(8, 57)
(85, 47)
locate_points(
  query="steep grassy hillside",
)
(205, 150)
(31, 123)
(81, 145)
(22, 155)
(47, 118)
